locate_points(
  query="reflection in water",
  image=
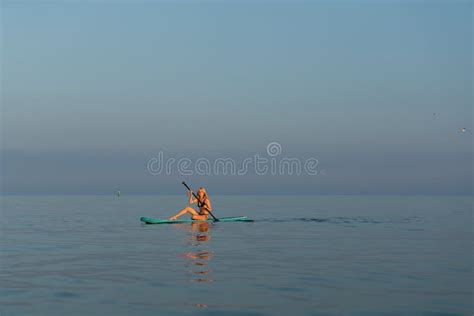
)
(200, 254)
(197, 264)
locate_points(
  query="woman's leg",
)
(199, 217)
(184, 211)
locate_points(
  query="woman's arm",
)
(207, 205)
(191, 199)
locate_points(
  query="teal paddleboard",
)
(148, 220)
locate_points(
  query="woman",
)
(203, 203)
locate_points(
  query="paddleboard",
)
(149, 220)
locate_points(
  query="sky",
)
(376, 91)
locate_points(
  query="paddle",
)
(215, 218)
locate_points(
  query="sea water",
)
(303, 255)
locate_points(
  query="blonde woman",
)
(203, 203)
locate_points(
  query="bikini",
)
(202, 205)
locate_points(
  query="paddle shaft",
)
(184, 183)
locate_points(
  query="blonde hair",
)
(204, 193)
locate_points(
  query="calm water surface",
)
(310, 255)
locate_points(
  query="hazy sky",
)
(92, 89)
